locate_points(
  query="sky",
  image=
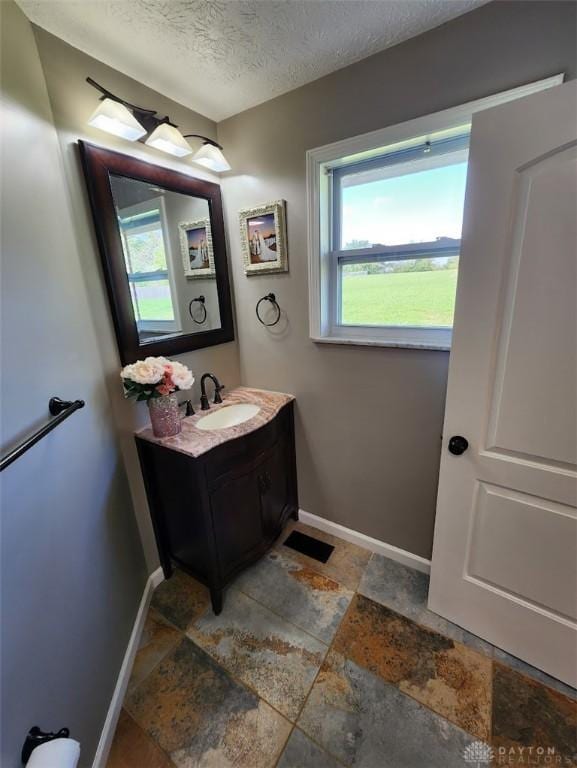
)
(264, 224)
(195, 236)
(417, 207)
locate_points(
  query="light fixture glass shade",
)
(113, 117)
(211, 157)
(169, 139)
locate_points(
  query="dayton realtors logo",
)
(480, 755)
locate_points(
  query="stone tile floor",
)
(315, 665)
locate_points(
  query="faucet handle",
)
(187, 405)
(217, 397)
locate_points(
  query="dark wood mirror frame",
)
(98, 164)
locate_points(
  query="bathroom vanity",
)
(221, 493)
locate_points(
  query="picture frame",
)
(264, 239)
(196, 248)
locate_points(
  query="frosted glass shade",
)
(169, 139)
(113, 117)
(211, 157)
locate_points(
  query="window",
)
(396, 236)
(147, 265)
(385, 218)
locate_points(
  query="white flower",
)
(182, 376)
(148, 371)
(160, 360)
(153, 369)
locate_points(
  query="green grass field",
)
(399, 298)
(156, 309)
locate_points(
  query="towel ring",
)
(272, 298)
(201, 300)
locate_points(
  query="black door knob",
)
(458, 445)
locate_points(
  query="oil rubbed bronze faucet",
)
(204, 405)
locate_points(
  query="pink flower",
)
(167, 385)
(156, 374)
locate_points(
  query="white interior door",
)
(505, 551)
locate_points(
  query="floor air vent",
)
(308, 545)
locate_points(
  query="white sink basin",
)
(229, 416)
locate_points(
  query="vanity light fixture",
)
(168, 138)
(121, 118)
(210, 155)
(113, 117)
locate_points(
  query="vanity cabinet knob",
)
(264, 482)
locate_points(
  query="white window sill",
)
(381, 343)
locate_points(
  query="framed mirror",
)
(161, 239)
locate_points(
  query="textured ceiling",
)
(220, 58)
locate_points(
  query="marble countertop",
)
(194, 441)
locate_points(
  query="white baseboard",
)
(113, 714)
(362, 540)
(156, 578)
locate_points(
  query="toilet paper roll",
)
(58, 753)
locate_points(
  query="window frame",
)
(440, 154)
(148, 206)
(322, 163)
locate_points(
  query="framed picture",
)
(196, 248)
(263, 238)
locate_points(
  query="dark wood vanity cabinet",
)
(215, 514)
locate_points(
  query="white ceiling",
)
(220, 57)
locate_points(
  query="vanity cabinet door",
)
(235, 507)
(273, 486)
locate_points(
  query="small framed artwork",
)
(263, 238)
(196, 248)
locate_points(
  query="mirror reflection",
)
(168, 255)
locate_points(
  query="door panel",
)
(275, 489)
(235, 507)
(501, 559)
(540, 314)
(505, 548)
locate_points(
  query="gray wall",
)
(369, 419)
(179, 209)
(73, 101)
(72, 568)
